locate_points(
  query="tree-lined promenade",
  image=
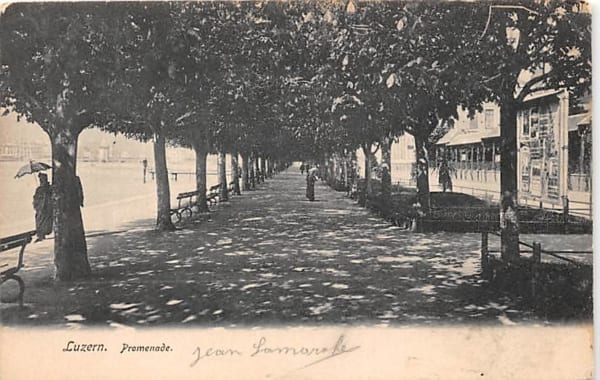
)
(272, 257)
(272, 82)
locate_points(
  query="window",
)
(533, 122)
(525, 118)
(489, 119)
(473, 123)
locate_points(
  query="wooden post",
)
(484, 254)
(565, 213)
(535, 267)
(472, 160)
(537, 252)
(563, 149)
(582, 135)
(494, 159)
(481, 158)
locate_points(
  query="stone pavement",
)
(270, 257)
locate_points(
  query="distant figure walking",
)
(145, 165)
(302, 169)
(444, 178)
(311, 178)
(42, 204)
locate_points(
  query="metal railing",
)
(536, 258)
(535, 249)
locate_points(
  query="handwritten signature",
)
(263, 348)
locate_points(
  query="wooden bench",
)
(231, 187)
(184, 209)
(9, 270)
(212, 197)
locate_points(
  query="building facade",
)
(554, 153)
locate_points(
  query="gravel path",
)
(270, 257)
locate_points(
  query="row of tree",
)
(274, 81)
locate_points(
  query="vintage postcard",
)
(310, 189)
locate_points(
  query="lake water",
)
(114, 193)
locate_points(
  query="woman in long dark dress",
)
(444, 178)
(42, 204)
(310, 185)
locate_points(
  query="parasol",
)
(32, 167)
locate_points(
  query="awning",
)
(538, 95)
(447, 137)
(473, 137)
(580, 119)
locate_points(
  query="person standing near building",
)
(386, 179)
(444, 178)
(42, 204)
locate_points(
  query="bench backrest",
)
(14, 241)
(7, 264)
(188, 194)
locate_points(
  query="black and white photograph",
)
(296, 189)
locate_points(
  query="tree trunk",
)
(508, 176)
(256, 170)
(70, 248)
(163, 193)
(235, 174)
(386, 160)
(329, 169)
(422, 172)
(352, 175)
(270, 167)
(252, 172)
(201, 150)
(222, 166)
(263, 168)
(346, 172)
(245, 175)
(368, 186)
(267, 168)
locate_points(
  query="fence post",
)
(565, 213)
(484, 254)
(535, 267)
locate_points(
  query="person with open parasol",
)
(42, 204)
(42, 198)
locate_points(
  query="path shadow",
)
(274, 259)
